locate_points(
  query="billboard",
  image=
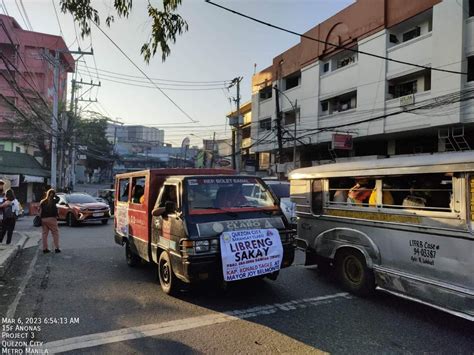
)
(341, 141)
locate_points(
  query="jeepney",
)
(403, 225)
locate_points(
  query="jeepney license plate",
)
(97, 214)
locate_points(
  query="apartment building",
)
(242, 129)
(340, 102)
(27, 78)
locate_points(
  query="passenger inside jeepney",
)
(359, 194)
(138, 194)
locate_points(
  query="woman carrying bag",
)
(49, 221)
(9, 219)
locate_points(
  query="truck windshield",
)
(208, 194)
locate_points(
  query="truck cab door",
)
(165, 220)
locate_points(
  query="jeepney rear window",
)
(123, 190)
(222, 193)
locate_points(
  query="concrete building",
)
(137, 134)
(27, 77)
(245, 156)
(145, 134)
(340, 102)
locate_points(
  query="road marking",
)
(12, 308)
(114, 336)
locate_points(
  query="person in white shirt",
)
(16, 208)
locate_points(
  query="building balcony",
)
(418, 51)
(339, 80)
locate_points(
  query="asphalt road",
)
(87, 300)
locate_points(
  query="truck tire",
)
(354, 274)
(169, 283)
(132, 259)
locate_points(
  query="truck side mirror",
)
(170, 207)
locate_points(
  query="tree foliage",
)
(165, 27)
(91, 133)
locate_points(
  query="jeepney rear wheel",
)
(354, 274)
(132, 259)
(168, 281)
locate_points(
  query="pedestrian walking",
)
(2, 199)
(49, 220)
(9, 220)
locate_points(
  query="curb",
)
(7, 257)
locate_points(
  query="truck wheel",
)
(132, 259)
(71, 220)
(168, 281)
(353, 273)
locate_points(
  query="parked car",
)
(80, 207)
(281, 189)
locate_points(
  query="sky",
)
(218, 47)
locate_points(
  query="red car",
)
(80, 207)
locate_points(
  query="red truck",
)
(197, 224)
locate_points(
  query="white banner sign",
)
(249, 253)
(122, 221)
(30, 178)
(14, 179)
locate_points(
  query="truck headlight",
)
(201, 246)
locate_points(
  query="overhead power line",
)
(22, 17)
(145, 75)
(144, 81)
(154, 87)
(333, 44)
(26, 15)
(57, 19)
(168, 80)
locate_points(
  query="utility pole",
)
(236, 133)
(297, 114)
(73, 108)
(213, 149)
(239, 131)
(278, 123)
(54, 120)
(56, 62)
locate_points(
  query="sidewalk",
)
(25, 235)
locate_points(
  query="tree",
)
(166, 23)
(91, 134)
